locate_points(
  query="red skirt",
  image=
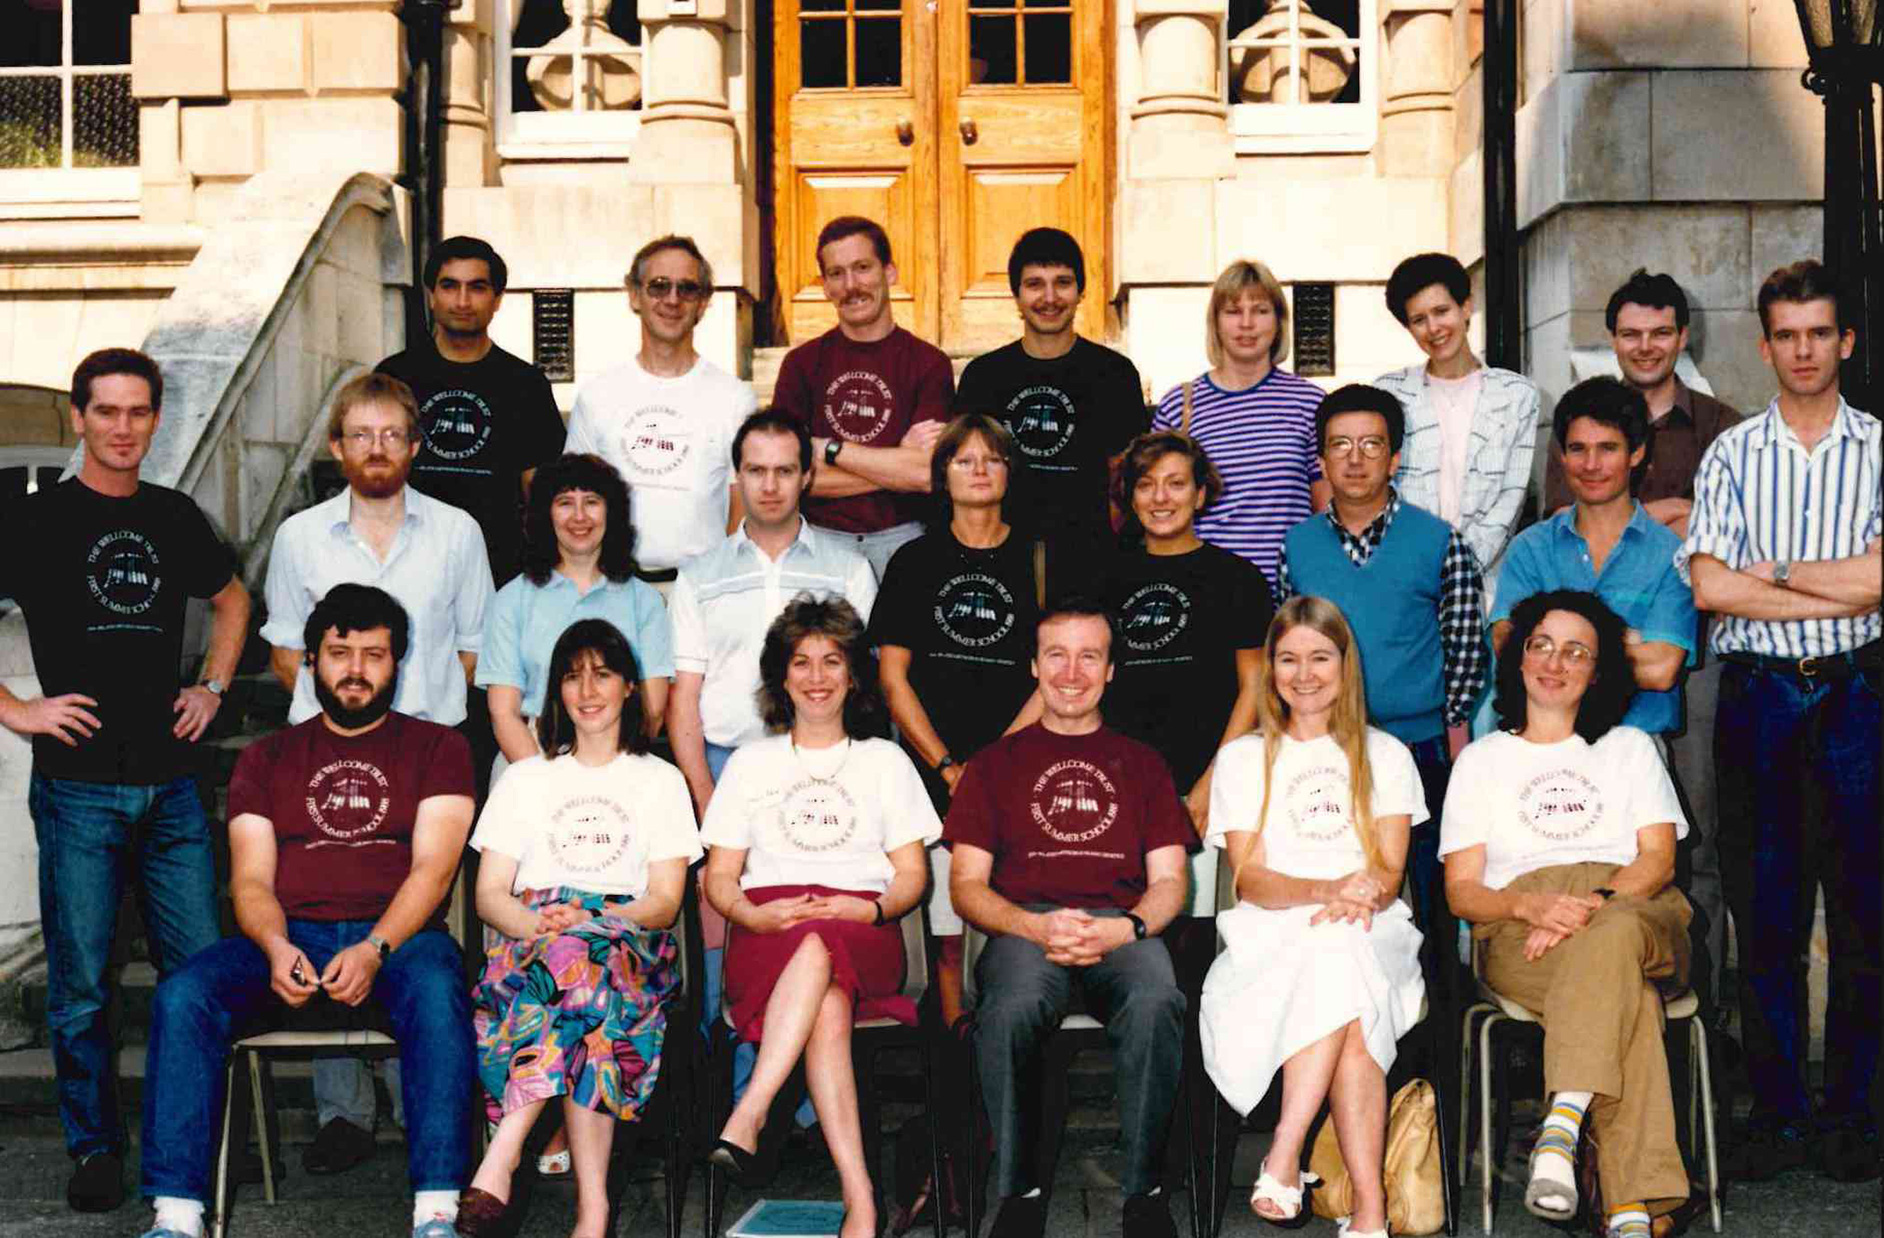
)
(866, 962)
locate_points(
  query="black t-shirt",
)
(1069, 415)
(1181, 620)
(967, 618)
(104, 582)
(485, 424)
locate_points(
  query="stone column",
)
(1416, 136)
(470, 77)
(1180, 124)
(687, 129)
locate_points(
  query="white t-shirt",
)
(819, 816)
(593, 828)
(671, 439)
(1309, 831)
(1455, 400)
(1571, 802)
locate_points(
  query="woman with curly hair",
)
(816, 839)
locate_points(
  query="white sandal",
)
(1290, 1200)
(1343, 1228)
(555, 1165)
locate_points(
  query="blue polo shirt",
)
(527, 619)
(1638, 581)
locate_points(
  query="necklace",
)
(813, 774)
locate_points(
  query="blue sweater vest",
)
(1392, 603)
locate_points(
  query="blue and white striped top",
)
(1760, 497)
(1262, 440)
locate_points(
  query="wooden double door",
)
(958, 125)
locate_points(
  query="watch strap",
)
(831, 448)
(380, 944)
(214, 686)
(878, 904)
(1138, 926)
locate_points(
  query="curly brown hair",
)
(865, 714)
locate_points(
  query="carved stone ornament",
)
(1263, 74)
(611, 66)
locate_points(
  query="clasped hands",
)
(1074, 938)
(784, 913)
(1554, 919)
(1353, 900)
(348, 978)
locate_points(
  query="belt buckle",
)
(1809, 667)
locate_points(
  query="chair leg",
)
(264, 1125)
(1704, 1068)
(930, 1096)
(219, 1219)
(1192, 1157)
(1485, 1151)
(971, 1164)
(1445, 1159)
(1465, 1094)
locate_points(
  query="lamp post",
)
(1845, 49)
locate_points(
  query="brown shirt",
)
(1675, 444)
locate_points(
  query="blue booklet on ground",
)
(790, 1218)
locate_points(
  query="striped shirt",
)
(1262, 440)
(1760, 497)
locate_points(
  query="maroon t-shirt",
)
(865, 393)
(343, 807)
(1069, 819)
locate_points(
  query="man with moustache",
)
(873, 397)
(1784, 547)
(1071, 405)
(430, 556)
(103, 565)
(665, 417)
(1068, 843)
(345, 833)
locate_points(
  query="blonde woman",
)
(1321, 975)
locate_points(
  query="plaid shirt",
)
(1461, 622)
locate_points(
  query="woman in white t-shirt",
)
(816, 839)
(1320, 976)
(1559, 839)
(585, 855)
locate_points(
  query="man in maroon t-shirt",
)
(1068, 847)
(873, 396)
(345, 834)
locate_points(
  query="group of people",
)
(1028, 659)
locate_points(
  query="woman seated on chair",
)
(585, 853)
(815, 841)
(1320, 976)
(1559, 841)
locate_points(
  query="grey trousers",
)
(1022, 999)
(1693, 762)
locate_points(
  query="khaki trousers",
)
(1603, 1021)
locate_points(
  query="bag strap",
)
(1040, 573)
(1184, 425)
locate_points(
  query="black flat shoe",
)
(744, 1166)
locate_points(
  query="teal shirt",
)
(526, 620)
(1638, 581)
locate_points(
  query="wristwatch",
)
(1138, 926)
(1782, 573)
(831, 448)
(380, 944)
(215, 687)
(944, 763)
(878, 904)
(1605, 891)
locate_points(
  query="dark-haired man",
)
(345, 834)
(872, 395)
(1072, 406)
(1784, 547)
(665, 417)
(103, 565)
(487, 417)
(1068, 844)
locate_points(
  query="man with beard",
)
(430, 557)
(103, 565)
(1072, 406)
(344, 837)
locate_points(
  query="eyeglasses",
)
(1373, 447)
(1574, 653)
(969, 464)
(360, 440)
(660, 288)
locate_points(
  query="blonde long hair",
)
(1348, 725)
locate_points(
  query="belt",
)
(657, 576)
(1828, 666)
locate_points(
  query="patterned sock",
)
(434, 1206)
(183, 1215)
(1629, 1221)
(1554, 1159)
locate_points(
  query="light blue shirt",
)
(1638, 581)
(526, 620)
(437, 569)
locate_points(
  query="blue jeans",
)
(1797, 763)
(224, 992)
(92, 837)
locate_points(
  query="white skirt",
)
(1280, 985)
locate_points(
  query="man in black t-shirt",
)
(103, 566)
(487, 417)
(1071, 405)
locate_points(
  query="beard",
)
(349, 718)
(381, 484)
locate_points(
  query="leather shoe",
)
(97, 1184)
(338, 1147)
(480, 1214)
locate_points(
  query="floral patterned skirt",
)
(579, 1014)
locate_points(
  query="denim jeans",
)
(1797, 761)
(224, 991)
(93, 836)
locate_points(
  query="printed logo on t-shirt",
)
(1154, 616)
(974, 609)
(1560, 805)
(589, 833)
(456, 424)
(1317, 803)
(656, 442)
(1074, 801)
(1042, 421)
(858, 405)
(122, 571)
(818, 815)
(347, 800)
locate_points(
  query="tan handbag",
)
(1416, 1198)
